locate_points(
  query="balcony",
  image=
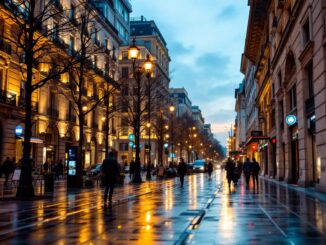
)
(7, 98)
(310, 106)
(5, 46)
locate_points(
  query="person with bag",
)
(229, 167)
(255, 171)
(210, 170)
(182, 170)
(247, 168)
(110, 171)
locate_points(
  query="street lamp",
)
(148, 68)
(172, 109)
(133, 54)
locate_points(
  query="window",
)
(293, 98)
(1, 79)
(148, 45)
(124, 90)
(22, 91)
(309, 72)
(72, 12)
(281, 106)
(124, 55)
(273, 90)
(306, 32)
(125, 72)
(123, 146)
(71, 45)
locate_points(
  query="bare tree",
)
(84, 89)
(33, 37)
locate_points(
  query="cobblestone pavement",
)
(161, 212)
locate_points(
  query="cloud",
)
(227, 12)
(205, 42)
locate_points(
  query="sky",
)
(205, 39)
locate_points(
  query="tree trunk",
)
(80, 155)
(25, 188)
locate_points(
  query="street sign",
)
(131, 137)
(19, 130)
(256, 133)
(291, 120)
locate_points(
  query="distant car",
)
(96, 169)
(199, 166)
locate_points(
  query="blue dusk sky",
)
(205, 40)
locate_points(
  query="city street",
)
(161, 212)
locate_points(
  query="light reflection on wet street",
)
(161, 212)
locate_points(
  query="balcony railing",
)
(7, 98)
(5, 46)
(310, 106)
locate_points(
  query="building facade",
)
(240, 122)
(289, 52)
(55, 124)
(181, 101)
(151, 43)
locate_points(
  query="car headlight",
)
(201, 168)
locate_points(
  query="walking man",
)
(182, 170)
(255, 171)
(110, 171)
(7, 168)
(210, 170)
(229, 167)
(247, 168)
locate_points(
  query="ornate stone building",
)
(286, 42)
(55, 125)
(151, 43)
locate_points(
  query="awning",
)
(33, 140)
(256, 139)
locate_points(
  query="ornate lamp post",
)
(133, 53)
(148, 67)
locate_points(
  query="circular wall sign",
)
(291, 120)
(19, 130)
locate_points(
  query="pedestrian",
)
(229, 167)
(210, 170)
(60, 168)
(182, 170)
(247, 168)
(45, 167)
(7, 168)
(255, 171)
(110, 171)
(132, 169)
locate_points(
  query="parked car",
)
(199, 166)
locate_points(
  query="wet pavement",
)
(161, 212)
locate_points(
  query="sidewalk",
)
(309, 191)
(272, 214)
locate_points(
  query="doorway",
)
(295, 156)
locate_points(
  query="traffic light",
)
(254, 147)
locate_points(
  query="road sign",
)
(291, 120)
